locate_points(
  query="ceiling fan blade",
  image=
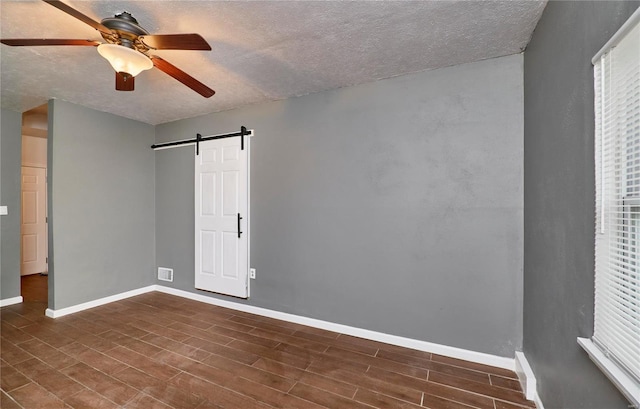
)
(182, 76)
(75, 13)
(124, 81)
(175, 42)
(17, 42)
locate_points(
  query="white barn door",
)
(221, 217)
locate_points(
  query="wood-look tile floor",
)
(161, 351)
(34, 288)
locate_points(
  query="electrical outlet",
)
(252, 273)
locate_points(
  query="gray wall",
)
(101, 180)
(559, 201)
(394, 206)
(10, 157)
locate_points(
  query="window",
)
(617, 240)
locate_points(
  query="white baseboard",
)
(467, 355)
(96, 303)
(527, 379)
(538, 401)
(453, 352)
(10, 301)
(525, 375)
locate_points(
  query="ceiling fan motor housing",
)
(126, 29)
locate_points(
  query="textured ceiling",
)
(262, 51)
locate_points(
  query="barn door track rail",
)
(199, 138)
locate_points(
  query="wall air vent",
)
(165, 274)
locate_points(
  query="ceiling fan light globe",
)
(124, 59)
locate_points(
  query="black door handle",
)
(239, 232)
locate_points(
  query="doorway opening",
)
(34, 246)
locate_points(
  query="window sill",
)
(629, 387)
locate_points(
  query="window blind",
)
(617, 241)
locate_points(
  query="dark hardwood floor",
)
(161, 351)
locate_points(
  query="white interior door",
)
(34, 221)
(221, 217)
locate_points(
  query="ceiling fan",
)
(127, 47)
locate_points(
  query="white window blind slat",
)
(622, 284)
(621, 317)
(624, 325)
(625, 355)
